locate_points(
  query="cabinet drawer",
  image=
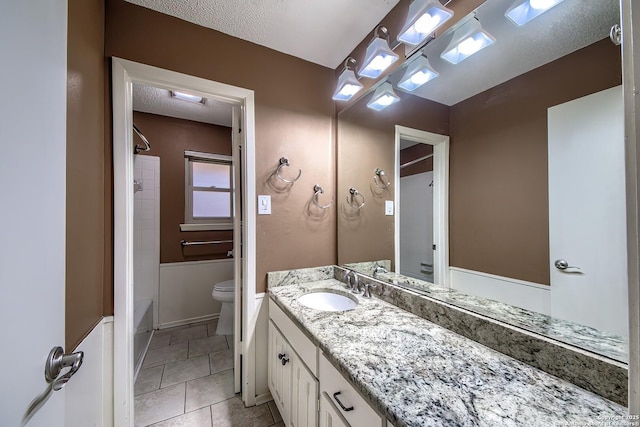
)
(301, 344)
(347, 400)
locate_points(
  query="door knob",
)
(562, 264)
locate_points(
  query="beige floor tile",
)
(280, 424)
(162, 355)
(274, 411)
(160, 339)
(221, 361)
(232, 413)
(148, 379)
(189, 334)
(211, 327)
(199, 418)
(159, 405)
(209, 390)
(185, 370)
(207, 345)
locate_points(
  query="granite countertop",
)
(420, 374)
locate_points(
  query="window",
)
(208, 189)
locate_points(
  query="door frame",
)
(124, 74)
(440, 145)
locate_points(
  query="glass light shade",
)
(425, 16)
(377, 59)
(417, 74)
(383, 97)
(348, 85)
(187, 97)
(470, 38)
(524, 11)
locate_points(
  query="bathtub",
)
(143, 328)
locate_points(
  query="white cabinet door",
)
(304, 395)
(279, 373)
(329, 415)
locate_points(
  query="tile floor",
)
(186, 380)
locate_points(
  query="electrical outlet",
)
(264, 205)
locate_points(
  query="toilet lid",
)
(226, 286)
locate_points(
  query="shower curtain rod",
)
(138, 148)
(413, 162)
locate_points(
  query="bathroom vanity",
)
(378, 365)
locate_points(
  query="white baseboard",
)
(263, 398)
(90, 391)
(520, 293)
(188, 321)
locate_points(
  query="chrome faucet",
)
(379, 269)
(354, 286)
(367, 289)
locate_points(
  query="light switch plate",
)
(388, 207)
(264, 205)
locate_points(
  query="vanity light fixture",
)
(348, 84)
(417, 74)
(425, 16)
(187, 97)
(468, 39)
(379, 55)
(383, 97)
(523, 11)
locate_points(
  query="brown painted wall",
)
(171, 137)
(294, 118)
(498, 178)
(367, 142)
(86, 206)
(413, 153)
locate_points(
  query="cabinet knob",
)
(284, 361)
(281, 355)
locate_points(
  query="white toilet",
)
(224, 292)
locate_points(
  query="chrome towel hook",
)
(285, 162)
(381, 179)
(317, 191)
(352, 199)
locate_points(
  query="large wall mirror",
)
(534, 193)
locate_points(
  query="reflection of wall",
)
(412, 153)
(294, 117)
(499, 216)
(169, 138)
(367, 142)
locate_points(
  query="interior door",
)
(587, 225)
(33, 42)
(238, 162)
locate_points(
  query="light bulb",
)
(381, 62)
(385, 100)
(349, 90)
(427, 23)
(469, 46)
(541, 4)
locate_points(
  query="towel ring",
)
(285, 162)
(317, 191)
(354, 193)
(381, 179)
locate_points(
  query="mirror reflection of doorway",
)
(416, 210)
(421, 197)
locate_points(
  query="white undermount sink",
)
(327, 301)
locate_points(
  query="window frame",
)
(206, 223)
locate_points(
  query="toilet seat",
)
(226, 286)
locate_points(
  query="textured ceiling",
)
(152, 100)
(319, 31)
(570, 26)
